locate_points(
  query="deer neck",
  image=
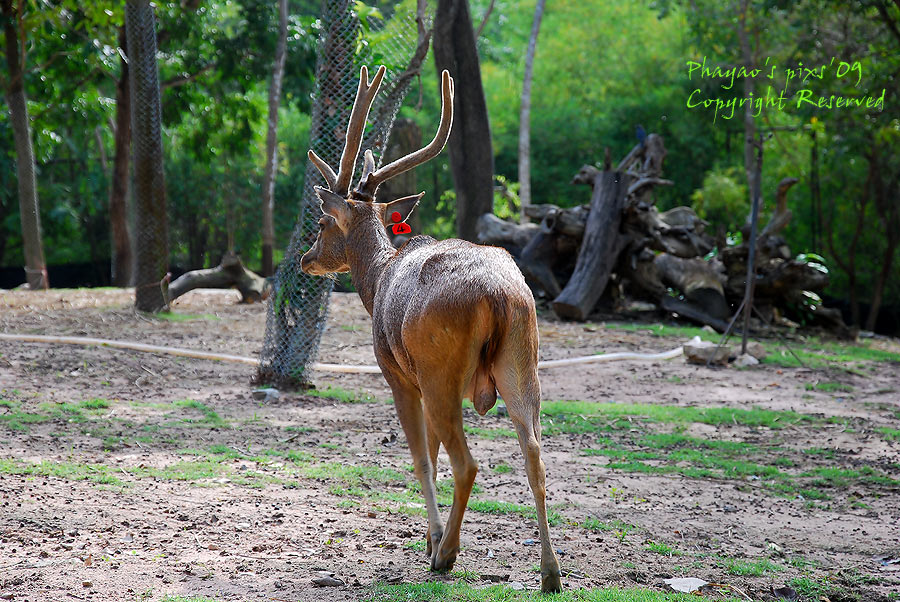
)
(368, 252)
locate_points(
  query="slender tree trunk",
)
(471, 155)
(29, 210)
(268, 204)
(749, 125)
(887, 207)
(887, 263)
(525, 115)
(118, 189)
(152, 248)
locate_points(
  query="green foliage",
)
(723, 199)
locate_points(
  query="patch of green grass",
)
(620, 454)
(503, 468)
(842, 477)
(173, 317)
(96, 473)
(343, 395)
(889, 434)
(822, 452)
(17, 420)
(495, 507)
(489, 433)
(438, 591)
(300, 429)
(666, 330)
(751, 568)
(180, 471)
(662, 548)
(418, 545)
(354, 475)
(828, 387)
(819, 354)
(94, 404)
(597, 414)
(595, 524)
(210, 417)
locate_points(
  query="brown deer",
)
(450, 319)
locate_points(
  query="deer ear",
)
(332, 204)
(402, 206)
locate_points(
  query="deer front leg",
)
(412, 419)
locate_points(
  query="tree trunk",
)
(888, 209)
(152, 247)
(525, 114)
(118, 190)
(29, 210)
(600, 248)
(471, 155)
(268, 204)
(749, 125)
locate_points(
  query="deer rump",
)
(445, 287)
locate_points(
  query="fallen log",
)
(230, 273)
(565, 221)
(492, 230)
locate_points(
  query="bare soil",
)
(143, 494)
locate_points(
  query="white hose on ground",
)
(206, 355)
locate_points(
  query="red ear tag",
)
(401, 228)
(396, 217)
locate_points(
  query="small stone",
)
(756, 350)
(213, 547)
(266, 394)
(371, 514)
(7, 595)
(327, 581)
(703, 352)
(516, 585)
(745, 361)
(87, 584)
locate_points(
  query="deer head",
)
(346, 211)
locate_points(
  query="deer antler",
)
(340, 183)
(371, 179)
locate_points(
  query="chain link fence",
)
(151, 224)
(351, 36)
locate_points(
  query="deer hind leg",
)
(519, 386)
(434, 444)
(445, 414)
(412, 418)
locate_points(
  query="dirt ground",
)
(134, 476)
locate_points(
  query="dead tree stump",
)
(600, 247)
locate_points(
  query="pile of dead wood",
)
(620, 248)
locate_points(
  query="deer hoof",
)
(444, 561)
(550, 582)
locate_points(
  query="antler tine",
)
(370, 182)
(364, 97)
(324, 169)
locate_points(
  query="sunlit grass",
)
(751, 568)
(464, 592)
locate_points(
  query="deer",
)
(450, 320)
